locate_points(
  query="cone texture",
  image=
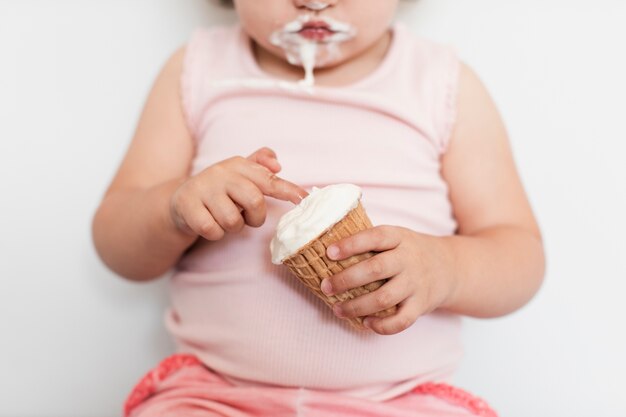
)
(311, 265)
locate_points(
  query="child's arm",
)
(153, 210)
(498, 249)
(493, 266)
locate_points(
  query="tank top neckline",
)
(250, 63)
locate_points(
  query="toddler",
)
(320, 92)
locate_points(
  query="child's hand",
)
(418, 269)
(230, 194)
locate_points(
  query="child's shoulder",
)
(426, 51)
(214, 46)
(221, 35)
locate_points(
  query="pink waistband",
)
(148, 386)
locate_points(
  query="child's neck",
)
(347, 72)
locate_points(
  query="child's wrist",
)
(450, 273)
(172, 223)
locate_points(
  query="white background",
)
(73, 78)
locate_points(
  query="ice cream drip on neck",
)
(307, 57)
(307, 52)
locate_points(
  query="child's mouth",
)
(312, 41)
(316, 31)
(319, 30)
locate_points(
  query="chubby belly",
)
(252, 321)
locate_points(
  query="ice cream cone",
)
(311, 265)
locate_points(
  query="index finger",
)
(273, 186)
(281, 189)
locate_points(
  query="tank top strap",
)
(211, 54)
(421, 77)
(438, 81)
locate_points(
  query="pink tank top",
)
(252, 321)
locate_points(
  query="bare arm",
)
(498, 253)
(154, 210)
(132, 228)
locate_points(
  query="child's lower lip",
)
(316, 34)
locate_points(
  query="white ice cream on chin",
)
(309, 53)
(315, 214)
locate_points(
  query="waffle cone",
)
(311, 265)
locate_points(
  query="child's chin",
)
(329, 62)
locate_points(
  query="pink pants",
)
(181, 386)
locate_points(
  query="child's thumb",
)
(266, 157)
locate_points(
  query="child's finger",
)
(407, 314)
(377, 239)
(272, 185)
(389, 295)
(200, 221)
(267, 158)
(284, 190)
(226, 213)
(381, 266)
(252, 201)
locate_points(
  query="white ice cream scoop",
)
(315, 214)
